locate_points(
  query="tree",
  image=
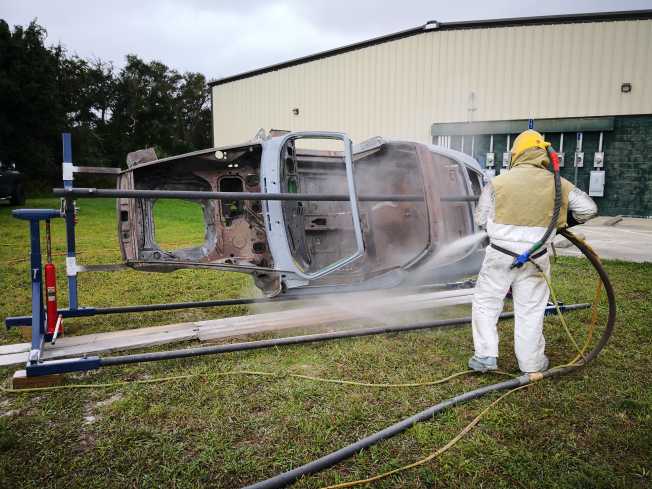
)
(156, 106)
(45, 91)
(194, 112)
(29, 114)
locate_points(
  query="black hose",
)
(555, 213)
(289, 477)
(611, 304)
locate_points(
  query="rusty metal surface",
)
(235, 232)
(396, 234)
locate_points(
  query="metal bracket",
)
(62, 366)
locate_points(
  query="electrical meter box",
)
(489, 162)
(596, 184)
(598, 160)
(507, 156)
(579, 159)
(561, 158)
(489, 174)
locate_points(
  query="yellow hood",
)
(536, 157)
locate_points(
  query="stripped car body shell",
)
(294, 246)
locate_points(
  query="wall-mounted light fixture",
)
(626, 87)
(295, 111)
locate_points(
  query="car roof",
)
(459, 156)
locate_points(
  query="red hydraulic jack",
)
(54, 319)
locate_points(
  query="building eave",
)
(446, 26)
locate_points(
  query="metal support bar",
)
(97, 170)
(35, 215)
(14, 321)
(460, 198)
(194, 195)
(97, 311)
(62, 366)
(36, 272)
(71, 259)
(105, 267)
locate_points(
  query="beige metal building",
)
(468, 85)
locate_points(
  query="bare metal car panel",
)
(242, 235)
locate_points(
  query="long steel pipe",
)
(13, 321)
(97, 311)
(193, 195)
(460, 198)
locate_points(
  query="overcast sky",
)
(221, 38)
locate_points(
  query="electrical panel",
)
(561, 158)
(579, 159)
(598, 160)
(489, 174)
(596, 184)
(489, 163)
(507, 156)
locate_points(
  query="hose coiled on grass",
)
(289, 477)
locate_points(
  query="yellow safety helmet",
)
(526, 140)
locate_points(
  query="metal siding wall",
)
(399, 88)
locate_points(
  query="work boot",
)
(483, 364)
(546, 364)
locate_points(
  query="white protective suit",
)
(529, 290)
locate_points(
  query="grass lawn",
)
(590, 429)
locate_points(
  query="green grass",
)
(589, 429)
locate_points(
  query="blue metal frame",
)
(39, 336)
(14, 321)
(62, 366)
(37, 320)
(70, 225)
(34, 365)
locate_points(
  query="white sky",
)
(221, 38)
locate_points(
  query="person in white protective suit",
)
(516, 208)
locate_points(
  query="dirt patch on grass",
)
(91, 408)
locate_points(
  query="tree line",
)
(45, 90)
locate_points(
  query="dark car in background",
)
(11, 184)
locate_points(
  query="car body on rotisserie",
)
(304, 246)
